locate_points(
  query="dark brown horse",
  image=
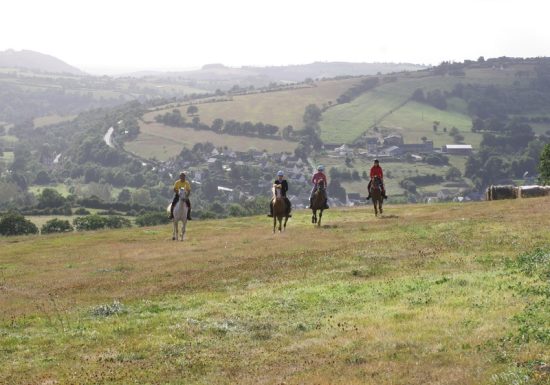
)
(376, 195)
(280, 209)
(318, 203)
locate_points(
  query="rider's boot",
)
(270, 210)
(189, 214)
(171, 216)
(326, 205)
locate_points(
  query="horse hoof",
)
(173, 238)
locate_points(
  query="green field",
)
(162, 142)
(51, 119)
(394, 173)
(425, 294)
(280, 108)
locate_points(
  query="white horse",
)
(180, 214)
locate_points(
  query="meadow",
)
(162, 142)
(426, 294)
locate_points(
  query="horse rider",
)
(181, 183)
(376, 171)
(317, 177)
(281, 181)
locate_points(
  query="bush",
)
(152, 219)
(96, 222)
(14, 223)
(89, 222)
(81, 211)
(117, 222)
(56, 226)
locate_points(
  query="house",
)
(457, 149)
(393, 140)
(427, 146)
(391, 151)
(371, 143)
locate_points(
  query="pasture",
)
(388, 108)
(162, 142)
(281, 108)
(439, 294)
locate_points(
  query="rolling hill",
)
(442, 294)
(36, 61)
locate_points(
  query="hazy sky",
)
(116, 35)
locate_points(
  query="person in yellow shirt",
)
(181, 183)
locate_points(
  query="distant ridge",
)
(291, 73)
(36, 61)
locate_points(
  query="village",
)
(226, 167)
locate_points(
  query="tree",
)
(192, 110)
(217, 125)
(312, 114)
(544, 165)
(14, 223)
(42, 178)
(124, 196)
(453, 173)
(56, 226)
(50, 198)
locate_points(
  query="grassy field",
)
(426, 294)
(280, 108)
(162, 142)
(51, 119)
(387, 108)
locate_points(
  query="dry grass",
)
(420, 296)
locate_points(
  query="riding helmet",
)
(320, 168)
(280, 173)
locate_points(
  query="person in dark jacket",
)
(284, 188)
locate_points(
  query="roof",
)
(459, 146)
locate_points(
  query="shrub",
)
(56, 226)
(81, 211)
(96, 222)
(14, 223)
(152, 219)
(117, 222)
(89, 222)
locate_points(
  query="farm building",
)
(457, 149)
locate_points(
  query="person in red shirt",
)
(317, 177)
(376, 170)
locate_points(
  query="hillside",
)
(36, 61)
(440, 294)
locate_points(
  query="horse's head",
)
(183, 193)
(321, 185)
(277, 191)
(376, 184)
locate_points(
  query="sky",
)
(110, 36)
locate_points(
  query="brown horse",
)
(376, 195)
(280, 209)
(318, 203)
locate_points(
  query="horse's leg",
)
(375, 208)
(320, 216)
(284, 225)
(183, 224)
(274, 223)
(280, 219)
(380, 203)
(175, 229)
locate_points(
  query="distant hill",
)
(223, 77)
(36, 61)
